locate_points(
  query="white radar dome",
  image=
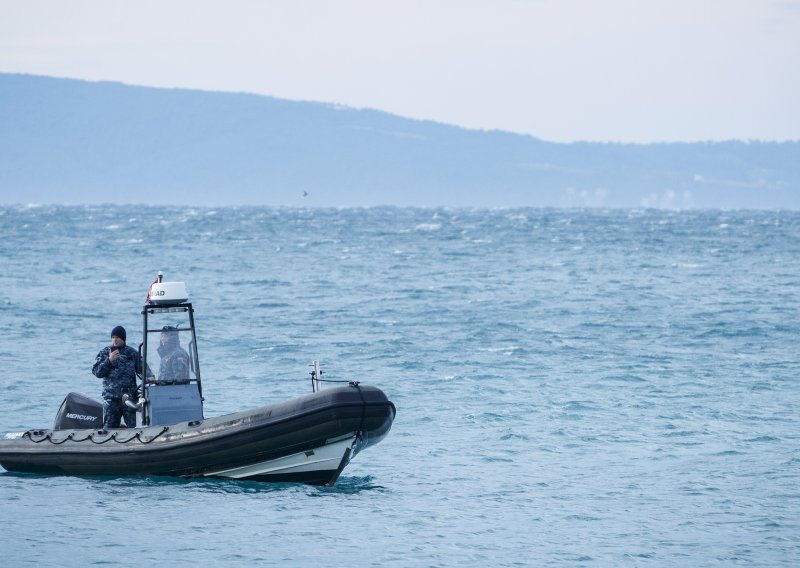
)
(168, 292)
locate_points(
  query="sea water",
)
(573, 387)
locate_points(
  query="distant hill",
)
(69, 141)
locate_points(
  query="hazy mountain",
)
(68, 141)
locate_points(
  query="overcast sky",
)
(561, 70)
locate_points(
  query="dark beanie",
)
(119, 331)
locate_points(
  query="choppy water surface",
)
(573, 387)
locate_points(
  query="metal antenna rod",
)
(315, 376)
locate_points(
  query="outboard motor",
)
(79, 412)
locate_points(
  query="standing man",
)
(117, 365)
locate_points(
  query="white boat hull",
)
(326, 460)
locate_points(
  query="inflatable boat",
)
(309, 439)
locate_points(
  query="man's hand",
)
(113, 356)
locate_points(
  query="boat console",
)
(171, 387)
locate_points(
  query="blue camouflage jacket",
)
(174, 367)
(118, 378)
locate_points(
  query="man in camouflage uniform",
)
(174, 367)
(117, 366)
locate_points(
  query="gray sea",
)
(573, 387)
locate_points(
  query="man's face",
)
(116, 341)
